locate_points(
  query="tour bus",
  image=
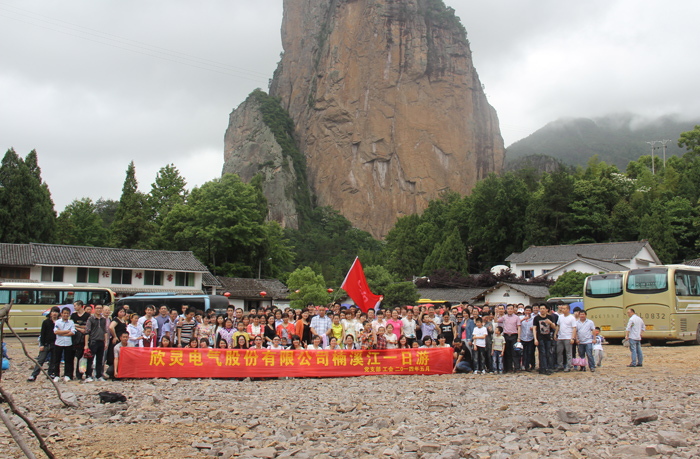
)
(138, 302)
(667, 299)
(603, 300)
(31, 300)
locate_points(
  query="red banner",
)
(355, 284)
(137, 362)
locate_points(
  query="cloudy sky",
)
(93, 85)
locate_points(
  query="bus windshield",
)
(651, 280)
(604, 286)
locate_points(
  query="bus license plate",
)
(650, 327)
(607, 328)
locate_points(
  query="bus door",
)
(603, 302)
(647, 292)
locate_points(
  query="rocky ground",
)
(615, 412)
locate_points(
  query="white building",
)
(552, 261)
(124, 271)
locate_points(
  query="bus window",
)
(23, 296)
(48, 297)
(604, 286)
(4, 297)
(687, 283)
(652, 280)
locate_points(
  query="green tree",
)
(26, 210)
(449, 254)
(167, 191)
(691, 141)
(400, 293)
(131, 228)
(80, 224)
(378, 278)
(223, 223)
(547, 219)
(307, 287)
(106, 209)
(496, 216)
(569, 284)
(624, 222)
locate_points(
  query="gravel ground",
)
(615, 412)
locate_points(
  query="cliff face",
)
(251, 148)
(387, 108)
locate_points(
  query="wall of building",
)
(70, 276)
(498, 296)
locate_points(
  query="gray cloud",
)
(94, 85)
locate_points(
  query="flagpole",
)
(346, 277)
(349, 271)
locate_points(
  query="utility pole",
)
(652, 143)
(664, 142)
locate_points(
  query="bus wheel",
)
(697, 335)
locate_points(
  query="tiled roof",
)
(210, 280)
(453, 295)
(605, 266)
(563, 253)
(99, 257)
(240, 287)
(15, 255)
(695, 262)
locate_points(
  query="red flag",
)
(356, 286)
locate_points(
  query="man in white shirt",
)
(584, 335)
(635, 328)
(566, 337)
(408, 327)
(150, 310)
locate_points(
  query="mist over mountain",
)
(616, 139)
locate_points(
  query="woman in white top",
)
(428, 342)
(333, 345)
(276, 346)
(349, 344)
(135, 332)
(392, 340)
(442, 341)
(316, 344)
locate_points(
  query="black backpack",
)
(111, 397)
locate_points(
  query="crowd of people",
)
(487, 339)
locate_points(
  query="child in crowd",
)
(479, 341)
(497, 350)
(391, 339)
(598, 347)
(148, 339)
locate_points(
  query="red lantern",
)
(262, 294)
(330, 290)
(227, 294)
(297, 291)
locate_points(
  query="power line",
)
(148, 50)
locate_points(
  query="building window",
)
(153, 278)
(545, 271)
(85, 275)
(121, 276)
(52, 273)
(14, 273)
(527, 274)
(184, 279)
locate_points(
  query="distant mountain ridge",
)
(616, 139)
